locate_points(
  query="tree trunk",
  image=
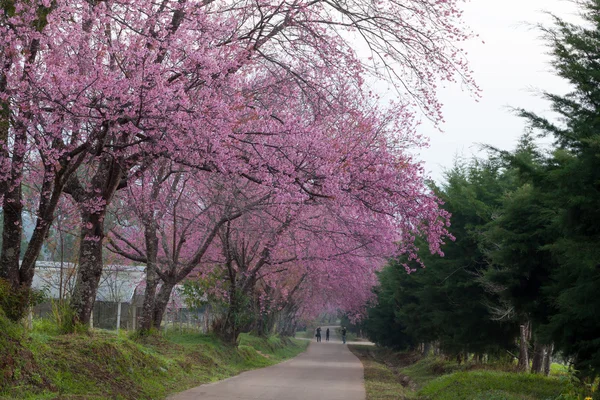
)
(90, 266)
(12, 207)
(426, 349)
(147, 317)
(524, 347)
(13, 219)
(287, 320)
(236, 320)
(12, 231)
(52, 189)
(51, 192)
(21, 276)
(161, 302)
(207, 319)
(229, 326)
(548, 358)
(11, 237)
(226, 327)
(94, 202)
(537, 361)
(270, 323)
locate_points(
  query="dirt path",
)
(326, 371)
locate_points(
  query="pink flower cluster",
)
(243, 133)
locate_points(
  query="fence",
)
(106, 315)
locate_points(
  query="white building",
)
(119, 298)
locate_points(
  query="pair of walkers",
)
(318, 334)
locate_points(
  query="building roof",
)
(117, 284)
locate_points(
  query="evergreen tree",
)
(446, 302)
(383, 325)
(516, 243)
(570, 185)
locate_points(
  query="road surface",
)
(326, 371)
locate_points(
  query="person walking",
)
(318, 335)
(327, 335)
(344, 334)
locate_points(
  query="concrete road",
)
(326, 371)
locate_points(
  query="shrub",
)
(15, 302)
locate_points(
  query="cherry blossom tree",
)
(180, 213)
(36, 145)
(334, 229)
(312, 255)
(98, 91)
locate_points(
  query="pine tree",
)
(570, 185)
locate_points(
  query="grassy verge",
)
(382, 383)
(390, 375)
(493, 385)
(304, 334)
(45, 365)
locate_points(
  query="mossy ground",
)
(391, 375)
(42, 364)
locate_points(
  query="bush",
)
(15, 302)
(63, 316)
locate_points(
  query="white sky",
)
(510, 66)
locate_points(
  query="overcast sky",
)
(509, 67)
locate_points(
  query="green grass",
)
(383, 379)
(401, 375)
(492, 385)
(381, 383)
(559, 370)
(305, 334)
(43, 364)
(427, 369)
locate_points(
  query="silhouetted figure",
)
(344, 334)
(318, 335)
(327, 335)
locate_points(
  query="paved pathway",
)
(327, 371)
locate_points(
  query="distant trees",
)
(446, 302)
(523, 275)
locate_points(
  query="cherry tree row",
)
(220, 134)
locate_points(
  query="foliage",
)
(382, 326)
(62, 317)
(527, 228)
(567, 182)
(353, 326)
(12, 301)
(199, 119)
(199, 292)
(446, 302)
